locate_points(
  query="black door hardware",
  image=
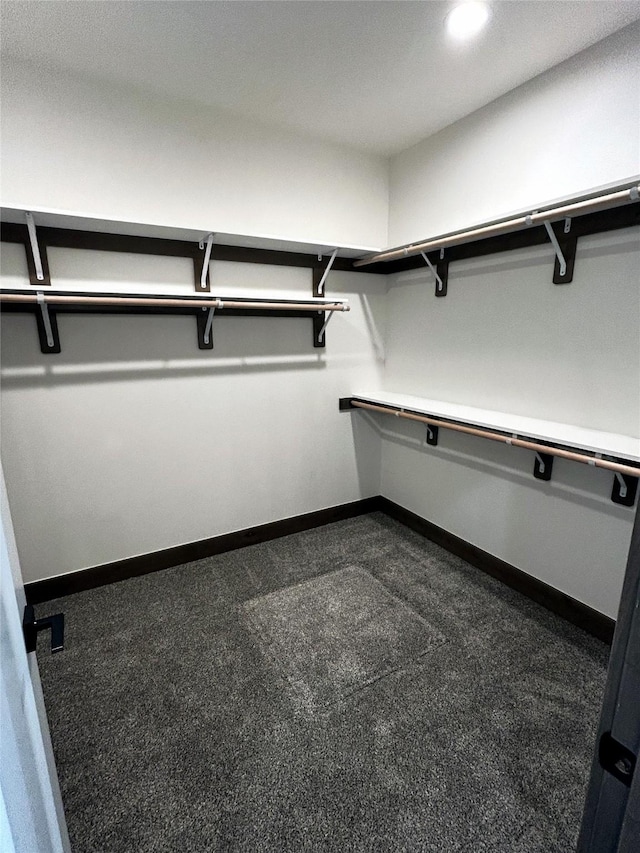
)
(31, 626)
(616, 759)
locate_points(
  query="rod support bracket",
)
(432, 434)
(207, 328)
(556, 246)
(625, 488)
(543, 466)
(47, 326)
(441, 283)
(205, 324)
(565, 249)
(327, 320)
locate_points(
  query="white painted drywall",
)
(133, 440)
(564, 532)
(572, 128)
(86, 147)
(506, 338)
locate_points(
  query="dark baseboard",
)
(558, 602)
(50, 588)
(574, 611)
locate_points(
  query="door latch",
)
(616, 759)
(31, 626)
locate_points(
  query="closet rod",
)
(177, 302)
(566, 211)
(505, 439)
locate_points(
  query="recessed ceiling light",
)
(467, 19)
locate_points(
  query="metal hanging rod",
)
(518, 223)
(596, 461)
(174, 302)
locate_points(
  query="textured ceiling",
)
(378, 76)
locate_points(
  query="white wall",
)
(565, 532)
(133, 439)
(572, 128)
(120, 154)
(506, 338)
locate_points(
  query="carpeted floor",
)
(350, 688)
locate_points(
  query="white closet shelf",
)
(40, 229)
(579, 206)
(615, 445)
(45, 304)
(51, 218)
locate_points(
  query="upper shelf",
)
(596, 441)
(50, 218)
(580, 207)
(593, 213)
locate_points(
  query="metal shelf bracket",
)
(324, 326)
(624, 489)
(543, 466)
(565, 249)
(204, 284)
(556, 246)
(35, 248)
(432, 434)
(205, 326)
(47, 327)
(441, 287)
(36, 253)
(326, 272)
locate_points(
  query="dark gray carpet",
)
(336, 633)
(350, 688)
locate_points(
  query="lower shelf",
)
(616, 453)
